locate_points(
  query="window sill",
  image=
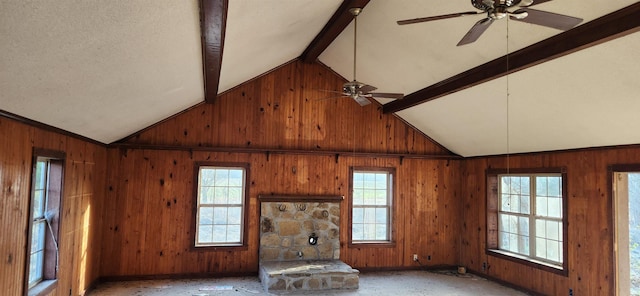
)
(219, 248)
(561, 270)
(43, 288)
(372, 244)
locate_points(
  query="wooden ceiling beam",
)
(611, 26)
(338, 22)
(213, 21)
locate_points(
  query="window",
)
(371, 205)
(529, 210)
(221, 202)
(44, 216)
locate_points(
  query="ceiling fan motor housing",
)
(489, 4)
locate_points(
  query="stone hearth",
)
(300, 244)
(307, 275)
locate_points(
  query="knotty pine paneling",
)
(83, 191)
(591, 270)
(285, 109)
(150, 198)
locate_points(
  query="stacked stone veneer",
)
(286, 227)
(288, 262)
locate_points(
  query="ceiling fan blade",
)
(548, 19)
(363, 101)
(438, 17)
(387, 95)
(529, 3)
(367, 88)
(476, 31)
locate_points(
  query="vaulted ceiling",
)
(106, 69)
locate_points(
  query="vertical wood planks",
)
(81, 211)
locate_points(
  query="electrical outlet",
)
(429, 257)
(570, 292)
(484, 266)
(415, 257)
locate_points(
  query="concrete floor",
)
(371, 283)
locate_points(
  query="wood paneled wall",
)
(591, 267)
(150, 200)
(83, 192)
(287, 109)
(150, 191)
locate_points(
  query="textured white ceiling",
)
(105, 69)
(556, 105)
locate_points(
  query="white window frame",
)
(357, 192)
(45, 206)
(495, 244)
(36, 265)
(215, 206)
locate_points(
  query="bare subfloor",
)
(371, 283)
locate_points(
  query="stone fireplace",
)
(300, 244)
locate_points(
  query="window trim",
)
(245, 207)
(392, 211)
(492, 211)
(55, 191)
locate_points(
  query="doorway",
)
(626, 199)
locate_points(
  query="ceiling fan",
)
(356, 90)
(498, 9)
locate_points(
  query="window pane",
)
(381, 216)
(552, 230)
(381, 181)
(541, 206)
(503, 243)
(236, 178)
(358, 215)
(221, 177)
(552, 250)
(38, 204)
(358, 197)
(221, 195)
(41, 174)
(524, 245)
(503, 225)
(369, 215)
(525, 185)
(369, 197)
(207, 176)
(554, 206)
(206, 216)
(381, 197)
(381, 232)
(515, 203)
(541, 248)
(219, 215)
(206, 195)
(233, 233)
(369, 181)
(235, 195)
(541, 228)
(369, 231)
(235, 215)
(541, 186)
(219, 233)
(523, 225)
(554, 186)
(525, 204)
(205, 234)
(357, 231)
